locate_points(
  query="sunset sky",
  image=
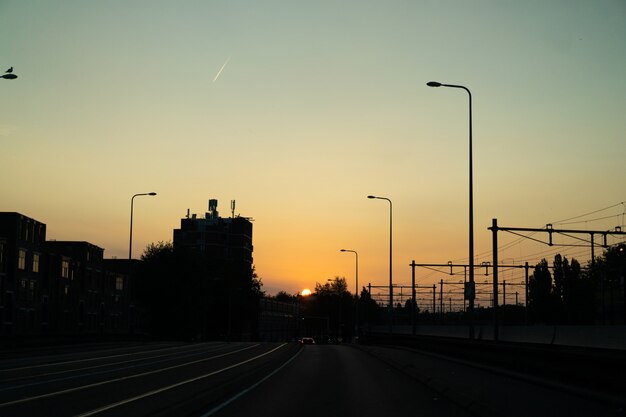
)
(300, 109)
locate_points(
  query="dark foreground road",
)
(152, 379)
(226, 379)
(337, 380)
(274, 379)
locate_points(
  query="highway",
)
(265, 379)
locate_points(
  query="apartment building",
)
(57, 287)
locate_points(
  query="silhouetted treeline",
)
(329, 314)
(184, 301)
(565, 293)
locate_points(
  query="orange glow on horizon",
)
(305, 292)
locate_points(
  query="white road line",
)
(245, 391)
(42, 382)
(65, 391)
(178, 384)
(105, 365)
(43, 365)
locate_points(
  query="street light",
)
(130, 246)
(356, 314)
(471, 206)
(390, 259)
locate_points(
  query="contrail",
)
(221, 69)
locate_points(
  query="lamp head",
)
(342, 250)
(371, 196)
(152, 193)
(433, 84)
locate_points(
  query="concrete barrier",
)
(606, 337)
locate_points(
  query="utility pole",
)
(465, 297)
(526, 289)
(441, 300)
(494, 228)
(413, 300)
(369, 314)
(434, 300)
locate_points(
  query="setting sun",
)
(306, 292)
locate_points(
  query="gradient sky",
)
(300, 109)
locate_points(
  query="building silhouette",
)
(57, 288)
(226, 243)
(225, 247)
(24, 290)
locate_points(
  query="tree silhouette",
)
(285, 297)
(370, 310)
(333, 300)
(337, 286)
(183, 300)
(540, 292)
(172, 288)
(605, 277)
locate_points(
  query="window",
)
(35, 262)
(119, 283)
(21, 260)
(65, 269)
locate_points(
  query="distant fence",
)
(608, 337)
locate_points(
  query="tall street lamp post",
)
(390, 260)
(356, 310)
(470, 293)
(130, 246)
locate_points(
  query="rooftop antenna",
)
(213, 214)
(232, 207)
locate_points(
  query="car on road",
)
(307, 341)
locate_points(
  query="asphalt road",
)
(134, 381)
(276, 379)
(227, 379)
(338, 380)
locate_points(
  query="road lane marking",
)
(245, 391)
(43, 365)
(43, 382)
(178, 384)
(65, 391)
